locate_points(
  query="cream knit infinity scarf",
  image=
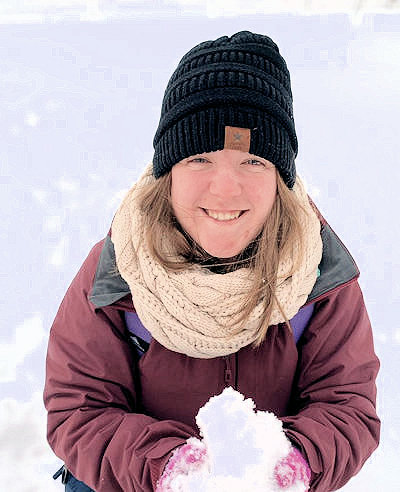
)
(194, 311)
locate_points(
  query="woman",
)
(222, 272)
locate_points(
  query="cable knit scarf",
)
(194, 311)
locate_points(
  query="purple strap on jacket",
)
(300, 321)
(135, 327)
(137, 330)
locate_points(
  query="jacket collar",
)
(108, 287)
(337, 268)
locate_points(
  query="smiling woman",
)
(218, 270)
(222, 199)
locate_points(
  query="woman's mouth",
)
(224, 215)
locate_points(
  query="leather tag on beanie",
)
(237, 138)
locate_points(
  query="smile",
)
(224, 216)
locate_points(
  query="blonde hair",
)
(281, 235)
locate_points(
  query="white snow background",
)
(81, 85)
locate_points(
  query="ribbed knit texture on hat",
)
(240, 81)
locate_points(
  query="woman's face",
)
(223, 198)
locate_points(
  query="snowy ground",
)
(79, 105)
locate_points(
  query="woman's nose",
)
(225, 183)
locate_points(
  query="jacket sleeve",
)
(91, 400)
(334, 421)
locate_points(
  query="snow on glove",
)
(189, 457)
(292, 468)
(244, 450)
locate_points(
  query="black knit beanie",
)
(233, 93)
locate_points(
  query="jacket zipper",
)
(236, 369)
(228, 371)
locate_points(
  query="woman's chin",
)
(222, 252)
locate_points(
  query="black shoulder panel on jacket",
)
(337, 266)
(108, 286)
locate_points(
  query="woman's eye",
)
(255, 162)
(198, 159)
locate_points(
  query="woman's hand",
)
(291, 469)
(241, 450)
(188, 458)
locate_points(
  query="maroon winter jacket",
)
(115, 420)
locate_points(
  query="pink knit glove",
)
(185, 459)
(291, 469)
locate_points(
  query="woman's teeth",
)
(223, 215)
